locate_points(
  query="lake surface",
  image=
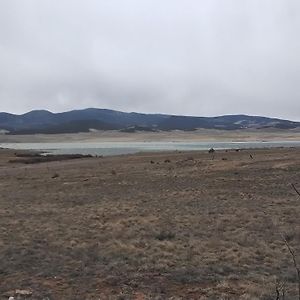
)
(117, 148)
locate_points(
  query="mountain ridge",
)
(75, 121)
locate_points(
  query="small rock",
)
(23, 292)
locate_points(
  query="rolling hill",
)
(42, 121)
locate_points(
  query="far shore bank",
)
(200, 135)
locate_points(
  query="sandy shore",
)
(150, 226)
(198, 135)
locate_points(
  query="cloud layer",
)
(195, 57)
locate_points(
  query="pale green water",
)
(117, 148)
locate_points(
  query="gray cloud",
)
(195, 57)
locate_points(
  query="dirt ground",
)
(151, 226)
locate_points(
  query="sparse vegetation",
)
(165, 235)
(35, 158)
(191, 229)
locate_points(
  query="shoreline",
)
(200, 135)
(125, 148)
(33, 156)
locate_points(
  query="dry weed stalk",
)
(291, 251)
(295, 189)
(280, 289)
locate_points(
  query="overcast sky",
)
(194, 57)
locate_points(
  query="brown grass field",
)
(151, 226)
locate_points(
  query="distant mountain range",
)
(42, 121)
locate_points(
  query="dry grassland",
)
(151, 226)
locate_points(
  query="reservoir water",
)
(118, 148)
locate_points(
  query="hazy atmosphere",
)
(196, 195)
(189, 57)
